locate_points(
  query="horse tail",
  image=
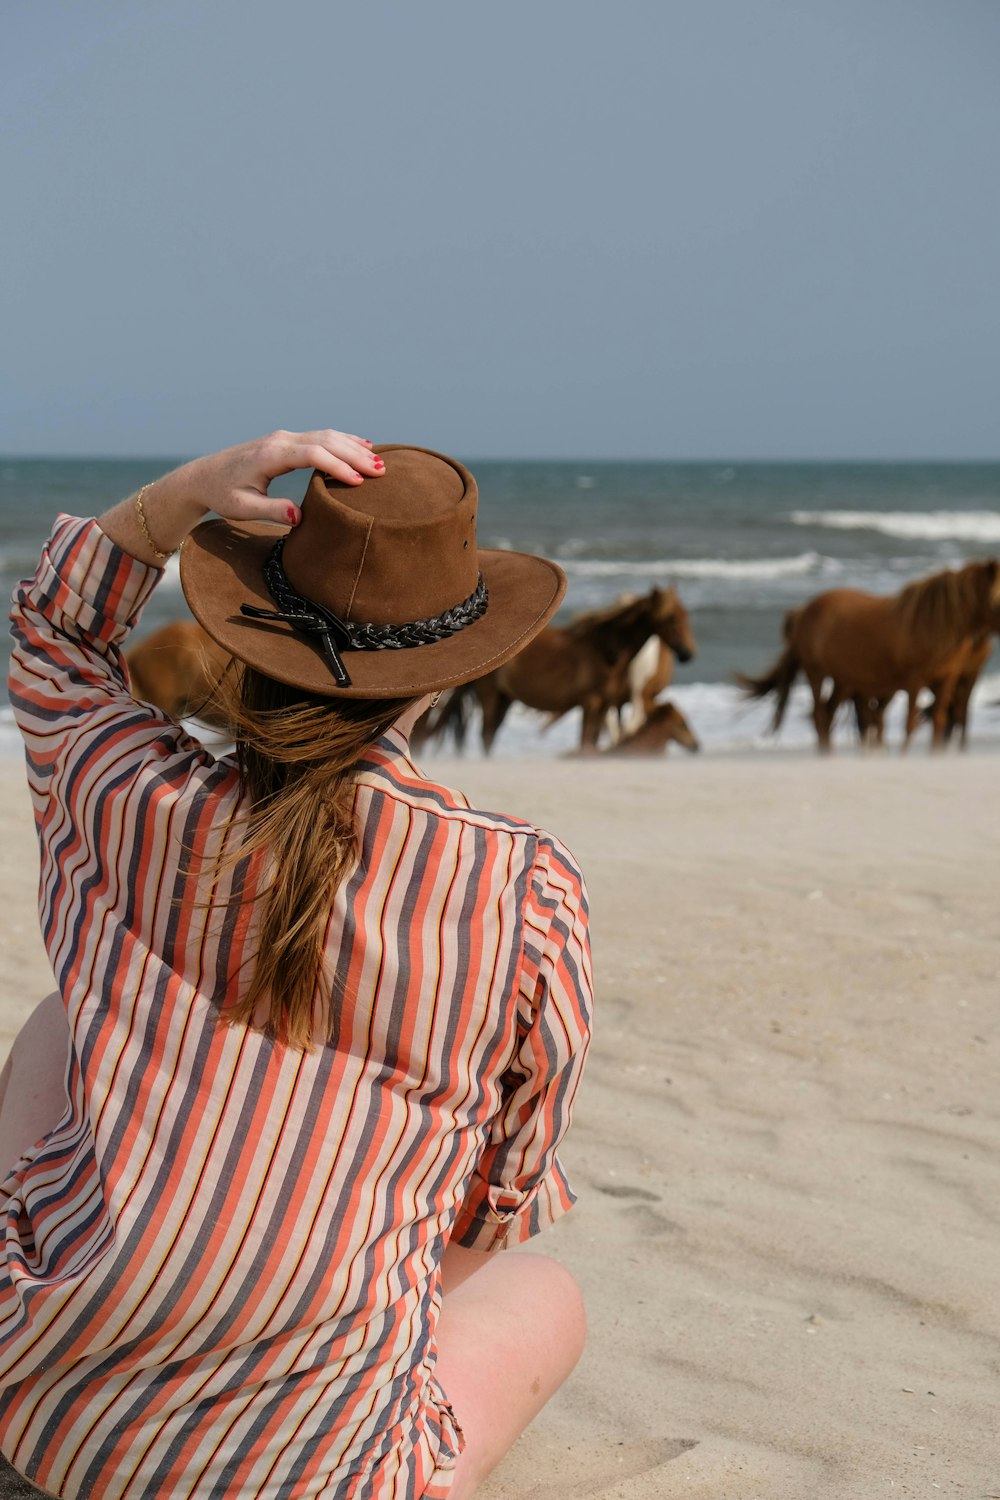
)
(452, 716)
(780, 679)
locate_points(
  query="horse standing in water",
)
(580, 665)
(871, 647)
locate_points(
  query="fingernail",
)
(293, 516)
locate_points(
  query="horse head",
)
(977, 593)
(675, 726)
(669, 620)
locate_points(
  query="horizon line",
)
(628, 462)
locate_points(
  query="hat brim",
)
(222, 567)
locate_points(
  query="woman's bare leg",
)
(33, 1082)
(512, 1328)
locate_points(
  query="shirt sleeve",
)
(68, 681)
(518, 1186)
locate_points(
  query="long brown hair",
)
(298, 756)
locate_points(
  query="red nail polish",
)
(379, 464)
(293, 516)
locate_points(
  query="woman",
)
(325, 1020)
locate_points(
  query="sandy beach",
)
(786, 1148)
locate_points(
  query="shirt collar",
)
(391, 753)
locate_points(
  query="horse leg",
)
(870, 713)
(494, 703)
(881, 704)
(960, 722)
(590, 728)
(941, 711)
(863, 719)
(912, 717)
(834, 699)
(958, 715)
(821, 714)
(501, 705)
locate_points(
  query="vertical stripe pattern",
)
(220, 1271)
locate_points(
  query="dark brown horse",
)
(870, 648)
(580, 665)
(177, 669)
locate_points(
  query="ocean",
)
(741, 543)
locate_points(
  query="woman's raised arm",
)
(232, 483)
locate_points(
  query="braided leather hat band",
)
(337, 635)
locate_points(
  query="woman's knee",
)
(525, 1301)
(509, 1336)
(560, 1303)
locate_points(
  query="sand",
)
(786, 1147)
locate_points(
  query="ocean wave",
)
(700, 567)
(930, 526)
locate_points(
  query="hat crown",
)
(397, 551)
(394, 550)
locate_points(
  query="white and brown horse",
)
(583, 664)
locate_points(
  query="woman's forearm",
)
(234, 483)
(170, 509)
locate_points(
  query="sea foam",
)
(698, 567)
(930, 526)
(722, 718)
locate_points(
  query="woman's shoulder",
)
(395, 776)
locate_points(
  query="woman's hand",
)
(234, 484)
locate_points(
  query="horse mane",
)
(945, 606)
(614, 616)
(583, 623)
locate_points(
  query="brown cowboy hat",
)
(379, 592)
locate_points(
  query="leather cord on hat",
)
(337, 635)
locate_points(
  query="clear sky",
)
(539, 228)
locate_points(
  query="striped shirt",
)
(220, 1270)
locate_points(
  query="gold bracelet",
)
(163, 556)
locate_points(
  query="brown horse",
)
(664, 723)
(978, 651)
(580, 665)
(951, 692)
(871, 648)
(177, 669)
